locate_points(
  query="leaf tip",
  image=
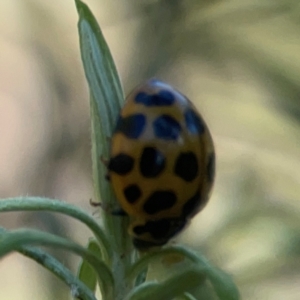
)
(79, 5)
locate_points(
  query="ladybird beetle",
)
(162, 163)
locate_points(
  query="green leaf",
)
(46, 204)
(106, 93)
(86, 273)
(222, 283)
(15, 240)
(141, 278)
(170, 288)
(187, 296)
(106, 100)
(77, 288)
(142, 291)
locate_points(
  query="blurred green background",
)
(238, 61)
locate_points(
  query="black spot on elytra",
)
(152, 162)
(211, 166)
(193, 122)
(162, 98)
(121, 164)
(192, 204)
(160, 230)
(166, 128)
(142, 244)
(131, 126)
(132, 193)
(186, 166)
(158, 201)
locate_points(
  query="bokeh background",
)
(238, 61)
